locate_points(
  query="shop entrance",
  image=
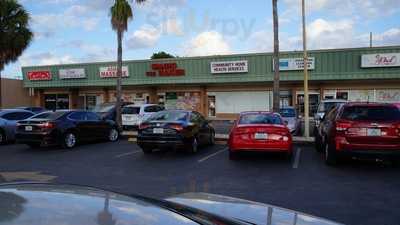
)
(56, 101)
(313, 101)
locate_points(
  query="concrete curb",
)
(221, 138)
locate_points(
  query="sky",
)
(74, 31)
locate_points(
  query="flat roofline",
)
(228, 55)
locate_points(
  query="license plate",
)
(374, 132)
(28, 128)
(261, 136)
(158, 130)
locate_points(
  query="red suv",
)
(360, 129)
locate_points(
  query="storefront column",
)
(73, 99)
(153, 95)
(38, 99)
(106, 95)
(203, 101)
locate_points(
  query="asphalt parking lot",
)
(356, 192)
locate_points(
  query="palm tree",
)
(15, 34)
(276, 92)
(121, 13)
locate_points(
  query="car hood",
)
(291, 120)
(246, 211)
(37, 204)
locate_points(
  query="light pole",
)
(306, 102)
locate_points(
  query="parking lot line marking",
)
(209, 156)
(126, 154)
(297, 159)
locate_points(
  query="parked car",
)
(107, 110)
(33, 109)
(360, 130)
(323, 107)
(65, 128)
(41, 204)
(8, 123)
(259, 131)
(176, 129)
(289, 115)
(134, 115)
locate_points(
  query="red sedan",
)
(261, 132)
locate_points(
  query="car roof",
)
(257, 112)
(2, 111)
(333, 100)
(288, 107)
(368, 104)
(139, 105)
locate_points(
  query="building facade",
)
(222, 86)
(13, 94)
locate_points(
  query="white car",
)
(134, 115)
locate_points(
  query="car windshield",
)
(374, 113)
(130, 110)
(326, 106)
(48, 115)
(170, 116)
(102, 108)
(260, 118)
(288, 112)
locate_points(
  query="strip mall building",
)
(222, 86)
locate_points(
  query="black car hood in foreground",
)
(46, 204)
(246, 211)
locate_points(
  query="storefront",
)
(222, 86)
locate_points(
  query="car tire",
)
(289, 156)
(147, 150)
(69, 140)
(212, 139)
(330, 155)
(233, 155)
(3, 138)
(113, 135)
(194, 146)
(318, 143)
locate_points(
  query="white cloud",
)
(207, 43)
(45, 58)
(147, 36)
(330, 34)
(172, 27)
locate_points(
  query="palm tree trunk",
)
(276, 92)
(119, 81)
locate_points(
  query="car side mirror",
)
(286, 122)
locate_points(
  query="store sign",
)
(72, 73)
(290, 64)
(165, 70)
(380, 60)
(39, 75)
(229, 67)
(111, 72)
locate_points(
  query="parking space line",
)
(297, 159)
(126, 154)
(212, 155)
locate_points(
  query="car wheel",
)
(147, 150)
(289, 156)
(233, 155)
(318, 143)
(330, 155)
(212, 138)
(69, 140)
(113, 135)
(194, 147)
(2, 138)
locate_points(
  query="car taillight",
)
(342, 126)
(239, 131)
(176, 127)
(48, 125)
(143, 126)
(398, 129)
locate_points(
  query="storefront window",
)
(211, 106)
(313, 103)
(56, 101)
(342, 95)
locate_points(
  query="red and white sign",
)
(111, 72)
(39, 75)
(380, 60)
(165, 70)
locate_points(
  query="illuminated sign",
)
(39, 75)
(165, 70)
